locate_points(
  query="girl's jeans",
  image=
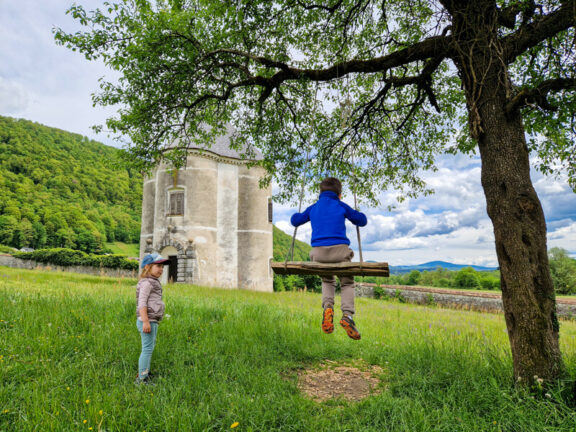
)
(148, 343)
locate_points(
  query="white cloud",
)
(13, 97)
(42, 81)
(564, 237)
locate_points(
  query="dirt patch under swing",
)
(351, 381)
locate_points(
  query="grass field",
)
(69, 349)
(127, 249)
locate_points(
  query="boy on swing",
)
(330, 245)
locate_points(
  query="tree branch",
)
(435, 47)
(538, 95)
(315, 6)
(507, 16)
(539, 30)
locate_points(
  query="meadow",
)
(126, 249)
(229, 360)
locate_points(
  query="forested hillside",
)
(61, 189)
(282, 242)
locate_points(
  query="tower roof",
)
(221, 146)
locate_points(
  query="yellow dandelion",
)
(90, 428)
(494, 422)
(234, 425)
(85, 421)
(100, 412)
(87, 401)
(67, 388)
(5, 411)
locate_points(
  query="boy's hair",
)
(331, 184)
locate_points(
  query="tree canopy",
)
(391, 98)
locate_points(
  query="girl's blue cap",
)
(153, 259)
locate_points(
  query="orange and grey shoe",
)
(348, 324)
(328, 320)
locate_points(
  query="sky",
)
(51, 85)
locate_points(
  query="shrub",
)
(6, 249)
(400, 297)
(563, 271)
(467, 278)
(379, 292)
(430, 300)
(413, 278)
(69, 257)
(313, 283)
(279, 283)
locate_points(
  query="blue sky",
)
(43, 82)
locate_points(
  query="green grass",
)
(69, 349)
(127, 249)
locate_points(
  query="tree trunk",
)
(512, 203)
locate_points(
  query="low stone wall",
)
(485, 302)
(10, 261)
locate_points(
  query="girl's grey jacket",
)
(149, 295)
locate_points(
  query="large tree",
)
(363, 89)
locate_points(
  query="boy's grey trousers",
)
(335, 254)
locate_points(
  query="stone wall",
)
(484, 302)
(10, 261)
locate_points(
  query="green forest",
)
(61, 189)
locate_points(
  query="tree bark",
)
(512, 203)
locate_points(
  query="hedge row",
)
(69, 257)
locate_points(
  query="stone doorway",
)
(173, 269)
(170, 274)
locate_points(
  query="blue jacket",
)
(328, 216)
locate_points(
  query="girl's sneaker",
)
(328, 320)
(348, 324)
(144, 381)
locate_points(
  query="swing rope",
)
(303, 186)
(344, 123)
(356, 208)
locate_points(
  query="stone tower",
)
(211, 219)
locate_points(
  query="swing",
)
(328, 269)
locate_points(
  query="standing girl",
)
(150, 310)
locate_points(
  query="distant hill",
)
(433, 265)
(282, 242)
(61, 189)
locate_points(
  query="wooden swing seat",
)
(329, 269)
